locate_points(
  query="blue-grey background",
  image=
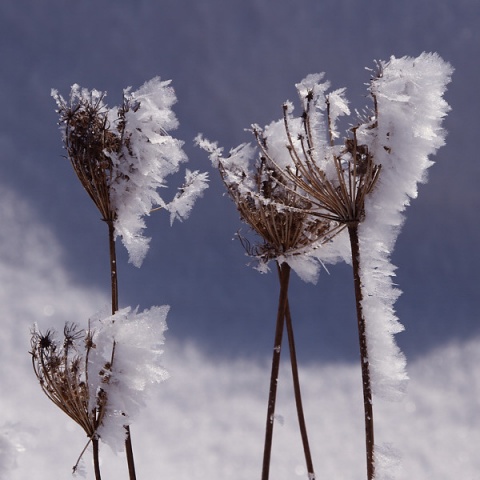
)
(234, 62)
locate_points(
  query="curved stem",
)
(298, 395)
(364, 358)
(114, 288)
(284, 273)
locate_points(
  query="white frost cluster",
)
(410, 105)
(137, 340)
(151, 156)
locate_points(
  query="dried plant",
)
(92, 146)
(268, 204)
(309, 190)
(62, 369)
(121, 156)
(338, 184)
(90, 142)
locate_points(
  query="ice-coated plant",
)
(280, 219)
(356, 189)
(365, 185)
(98, 387)
(122, 156)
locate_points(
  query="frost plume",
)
(407, 130)
(149, 156)
(182, 204)
(136, 339)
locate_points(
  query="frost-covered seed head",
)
(122, 156)
(335, 178)
(265, 200)
(90, 141)
(62, 371)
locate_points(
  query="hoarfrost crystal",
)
(122, 156)
(135, 366)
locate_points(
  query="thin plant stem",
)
(129, 453)
(113, 266)
(298, 395)
(364, 358)
(284, 274)
(114, 288)
(96, 458)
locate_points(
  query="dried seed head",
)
(338, 182)
(266, 201)
(91, 140)
(63, 375)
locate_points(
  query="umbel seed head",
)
(62, 371)
(90, 142)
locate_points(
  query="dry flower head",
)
(339, 195)
(62, 371)
(275, 213)
(90, 140)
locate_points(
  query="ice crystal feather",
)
(122, 156)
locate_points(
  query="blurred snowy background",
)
(234, 63)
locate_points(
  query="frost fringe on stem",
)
(280, 219)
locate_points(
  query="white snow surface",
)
(207, 420)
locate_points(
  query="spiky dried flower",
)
(266, 201)
(61, 368)
(90, 140)
(336, 179)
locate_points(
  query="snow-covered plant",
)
(365, 185)
(268, 204)
(122, 156)
(355, 190)
(99, 388)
